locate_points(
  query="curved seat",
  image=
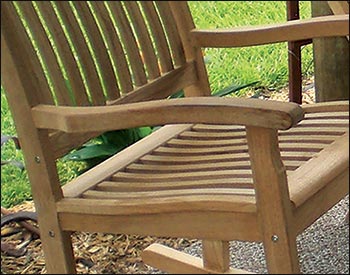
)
(206, 168)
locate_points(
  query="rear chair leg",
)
(216, 255)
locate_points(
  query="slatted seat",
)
(215, 167)
(216, 157)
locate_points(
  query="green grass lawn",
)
(267, 64)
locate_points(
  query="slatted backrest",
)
(90, 53)
(82, 53)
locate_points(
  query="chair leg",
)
(58, 250)
(216, 255)
(281, 255)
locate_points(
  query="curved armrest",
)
(323, 26)
(212, 110)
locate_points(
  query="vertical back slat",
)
(28, 64)
(185, 23)
(102, 62)
(144, 39)
(66, 54)
(172, 33)
(160, 41)
(97, 51)
(115, 47)
(46, 52)
(81, 48)
(130, 43)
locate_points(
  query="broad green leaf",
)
(92, 151)
(233, 88)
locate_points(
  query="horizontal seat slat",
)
(118, 186)
(181, 175)
(92, 194)
(327, 115)
(205, 143)
(213, 135)
(217, 128)
(233, 149)
(136, 167)
(317, 131)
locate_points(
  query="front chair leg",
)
(58, 251)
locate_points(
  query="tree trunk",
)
(331, 61)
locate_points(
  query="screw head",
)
(274, 238)
(51, 234)
(37, 159)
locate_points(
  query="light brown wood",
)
(159, 36)
(280, 115)
(145, 42)
(333, 25)
(216, 255)
(81, 48)
(321, 202)
(333, 106)
(317, 172)
(177, 262)
(159, 88)
(89, 179)
(63, 49)
(57, 244)
(214, 169)
(339, 7)
(169, 223)
(271, 188)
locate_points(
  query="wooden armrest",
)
(212, 110)
(323, 26)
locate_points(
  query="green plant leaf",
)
(143, 131)
(226, 91)
(178, 94)
(108, 144)
(233, 88)
(92, 151)
(118, 137)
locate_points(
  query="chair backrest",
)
(83, 53)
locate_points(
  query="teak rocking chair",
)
(219, 169)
